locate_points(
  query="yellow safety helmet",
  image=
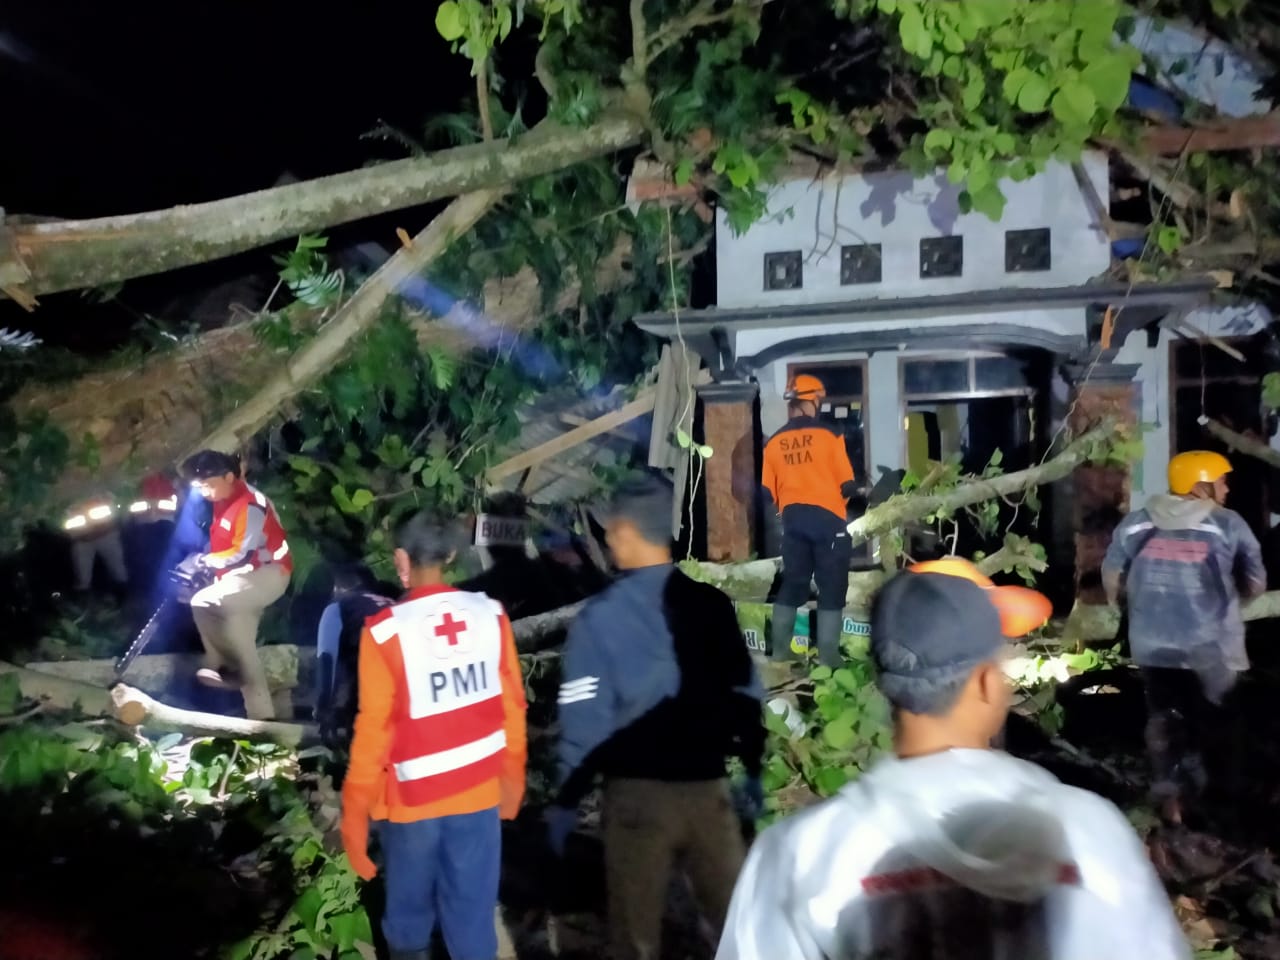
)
(805, 387)
(1196, 466)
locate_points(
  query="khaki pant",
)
(227, 614)
(106, 546)
(647, 825)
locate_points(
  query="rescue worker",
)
(438, 757)
(658, 690)
(808, 475)
(1183, 563)
(950, 848)
(249, 558)
(355, 599)
(94, 529)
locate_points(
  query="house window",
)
(941, 257)
(860, 263)
(783, 271)
(1026, 251)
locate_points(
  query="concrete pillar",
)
(1100, 494)
(732, 476)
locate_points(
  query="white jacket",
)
(958, 855)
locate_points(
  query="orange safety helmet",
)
(1196, 466)
(805, 387)
(1021, 609)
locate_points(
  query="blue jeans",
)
(444, 869)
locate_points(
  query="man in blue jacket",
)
(658, 691)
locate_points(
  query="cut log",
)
(93, 701)
(1096, 623)
(135, 708)
(1246, 445)
(286, 665)
(70, 254)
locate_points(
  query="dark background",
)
(119, 108)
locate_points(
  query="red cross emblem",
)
(450, 635)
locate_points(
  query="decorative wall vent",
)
(1026, 251)
(860, 263)
(941, 257)
(783, 271)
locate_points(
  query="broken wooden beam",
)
(1235, 133)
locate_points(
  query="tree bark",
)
(144, 416)
(322, 352)
(1246, 445)
(1096, 622)
(135, 708)
(70, 254)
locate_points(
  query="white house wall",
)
(897, 210)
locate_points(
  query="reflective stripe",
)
(282, 551)
(383, 630)
(99, 513)
(445, 761)
(139, 506)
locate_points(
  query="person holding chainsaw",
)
(438, 756)
(1183, 563)
(808, 474)
(249, 564)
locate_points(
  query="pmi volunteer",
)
(438, 756)
(808, 474)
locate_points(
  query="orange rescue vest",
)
(806, 462)
(444, 650)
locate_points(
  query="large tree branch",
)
(39, 258)
(1246, 445)
(323, 351)
(1233, 133)
(907, 507)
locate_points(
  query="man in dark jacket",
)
(658, 691)
(1183, 563)
(356, 597)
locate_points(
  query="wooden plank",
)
(638, 407)
(1241, 133)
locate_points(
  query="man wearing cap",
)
(438, 756)
(949, 848)
(1183, 563)
(807, 472)
(658, 691)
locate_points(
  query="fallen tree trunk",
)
(145, 415)
(135, 708)
(1246, 445)
(68, 254)
(1096, 622)
(286, 665)
(321, 353)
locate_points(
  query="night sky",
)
(118, 108)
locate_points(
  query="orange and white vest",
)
(444, 649)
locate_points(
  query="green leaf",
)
(1169, 239)
(915, 37)
(937, 141)
(989, 200)
(449, 21)
(705, 451)
(683, 172)
(1033, 96)
(1108, 79)
(838, 734)
(362, 498)
(829, 780)
(1013, 83)
(1074, 104)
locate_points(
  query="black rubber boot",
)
(783, 629)
(830, 624)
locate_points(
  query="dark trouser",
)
(647, 825)
(443, 870)
(815, 546)
(1188, 737)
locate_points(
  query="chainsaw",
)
(185, 579)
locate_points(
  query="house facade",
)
(940, 333)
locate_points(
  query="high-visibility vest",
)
(444, 651)
(245, 526)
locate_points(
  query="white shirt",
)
(958, 855)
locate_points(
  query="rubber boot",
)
(830, 624)
(782, 631)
